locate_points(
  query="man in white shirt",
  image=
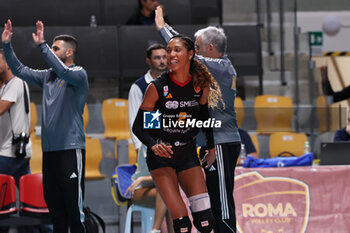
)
(156, 60)
(14, 120)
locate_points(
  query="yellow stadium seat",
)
(239, 110)
(287, 142)
(132, 155)
(115, 118)
(328, 117)
(273, 113)
(86, 116)
(93, 159)
(36, 161)
(33, 117)
(256, 143)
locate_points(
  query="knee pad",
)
(199, 202)
(203, 220)
(182, 225)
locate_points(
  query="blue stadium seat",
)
(147, 218)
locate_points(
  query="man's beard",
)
(2, 76)
(64, 59)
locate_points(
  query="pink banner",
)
(293, 200)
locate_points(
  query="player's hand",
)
(162, 150)
(159, 18)
(133, 186)
(38, 37)
(209, 157)
(7, 33)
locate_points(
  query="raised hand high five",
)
(38, 38)
(159, 17)
(7, 33)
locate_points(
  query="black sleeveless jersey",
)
(179, 104)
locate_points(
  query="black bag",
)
(92, 221)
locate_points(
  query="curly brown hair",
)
(201, 75)
(203, 78)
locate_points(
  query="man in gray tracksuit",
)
(65, 89)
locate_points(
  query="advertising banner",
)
(293, 200)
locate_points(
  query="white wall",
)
(312, 21)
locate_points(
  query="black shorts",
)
(183, 158)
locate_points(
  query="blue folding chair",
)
(147, 218)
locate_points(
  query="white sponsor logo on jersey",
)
(191, 103)
(172, 104)
(182, 104)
